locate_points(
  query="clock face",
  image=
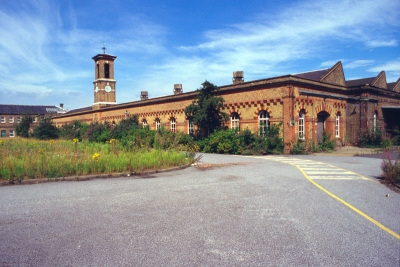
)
(108, 88)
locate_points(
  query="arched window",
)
(263, 123)
(301, 124)
(106, 70)
(144, 123)
(173, 125)
(235, 121)
(190, 126)
(158, 124)
(337, 125)
(375, 119)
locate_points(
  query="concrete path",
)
(228, 211)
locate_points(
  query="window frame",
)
(301, 128)
(158, 124)
(11, 119)
(235, 121)
(337, 125)
(19, 119)
(144, 123)
(190, 127)
(2, 119)
(263, 122)
(11, 133)
(173, 124)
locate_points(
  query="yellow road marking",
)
(351, 207)
(338, 198)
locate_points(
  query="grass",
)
(30, 159)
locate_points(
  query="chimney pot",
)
(238, 77)
(144, 95)
(178, 89)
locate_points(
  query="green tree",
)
(75, 129)
(46, 130)
(22, 128)
(205, 110)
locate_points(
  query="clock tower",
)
(104, 83)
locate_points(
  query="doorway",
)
(322, 116)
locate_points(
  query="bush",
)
(99, 132)
(375, 138)
(73, 130)
(391, 168)
(22, 128)
(327, 145)
(244, 142)
(46, 130)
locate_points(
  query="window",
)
(301, 124)
(235, 121)
(145, 124)
(337, 125)
(158, 124)
(11, 119)
(190, 127)
(3, 133)
(34, 119)
(3, 119)
(375, 118)
(106, 70)
(19, 119)
(11, 133)
(173, 125)
(263, 123)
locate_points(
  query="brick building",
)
(12, 114)
(306, 104)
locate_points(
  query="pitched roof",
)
(315, 75)
(378, 81)
(360, 82)
(394, 86)
(22, 109)
(80, 109)
(333, 75)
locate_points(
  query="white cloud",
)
(358, 64)
(40, 45)
(306, 30)
(391, 68)
(381, 43)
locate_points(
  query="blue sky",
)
(46, 47)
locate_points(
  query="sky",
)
(46, 46)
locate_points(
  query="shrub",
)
(391, 168)
(46, 130)
(327, 145)
(73, 130)
(244, 142)
(22, 128)
(375, 138)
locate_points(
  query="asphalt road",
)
(232, 211)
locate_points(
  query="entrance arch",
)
(322, 116)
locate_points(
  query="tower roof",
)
(104, 56)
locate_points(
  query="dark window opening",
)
(106, 70)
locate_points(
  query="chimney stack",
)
(238, 77)
(61, 105)
(144, 95)
(178, 89)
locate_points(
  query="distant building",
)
(12, 114)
